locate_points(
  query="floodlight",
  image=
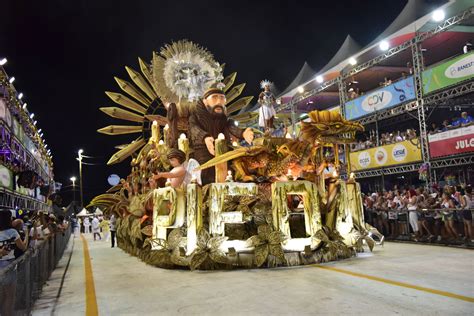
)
(352, 61)
(11, 79)
(438, 15)
(319, 79)
(73, 179)
(20, 96)
(384, 45)
(3, 61)
(24, 106)
(236, 123)
(80, 151)
(34, 123)
(39, 131)
(300, 89)
(32, 115)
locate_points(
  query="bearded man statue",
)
(206, 122)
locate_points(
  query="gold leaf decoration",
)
(126, 152)
(141, 82)
(132, 90)
(239, 104)
(229, 81)
(207, 248)
(234, 92)
(121, 114)
(120, 129)
(125, 101)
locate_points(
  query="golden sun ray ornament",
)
(180, 72)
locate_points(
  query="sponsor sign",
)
(453, 142)
(451, 72)
(383, 98)
(388, 155)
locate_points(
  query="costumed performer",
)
(266, 99)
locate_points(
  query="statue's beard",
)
(217, 115)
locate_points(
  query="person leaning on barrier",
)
(9, 237)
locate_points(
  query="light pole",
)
(73, 179)
(79, 154)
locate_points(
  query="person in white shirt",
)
(96, 227)
(87, 225)
(113, 229)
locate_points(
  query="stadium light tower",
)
(79, 157)
(73, 179)
(438, 15)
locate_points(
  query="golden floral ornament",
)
(267, 242)
(208, 248)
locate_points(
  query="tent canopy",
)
(83, 213)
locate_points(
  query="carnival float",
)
(204, 193)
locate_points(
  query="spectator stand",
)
(395, 77)
(26, 169)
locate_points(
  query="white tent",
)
(98, 211)
(83, 213)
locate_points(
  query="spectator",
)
(445, 126)
(113, 229)
(467, 48)
(18, 225)
(466, 119)
(9, 238)
(448, 215)
(455, 122)
(434, 128)
(467, 204)
(87, 225)
(96, 228)
(105, 227)
(412, 213)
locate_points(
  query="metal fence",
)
(32, 270)
(429, 220)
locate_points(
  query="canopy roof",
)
(83, 213)
(415, 17)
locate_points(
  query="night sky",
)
(64, 55)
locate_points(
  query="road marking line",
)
(396, 283)
(91, 300)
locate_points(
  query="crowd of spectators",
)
(17, 235)
(388, 138)
(456, 122)
(443, 216)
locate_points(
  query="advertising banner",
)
(380, 99)
(451, 72)
(404, 152)
(453, 142)
(6, 178)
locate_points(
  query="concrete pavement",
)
(397, 279)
